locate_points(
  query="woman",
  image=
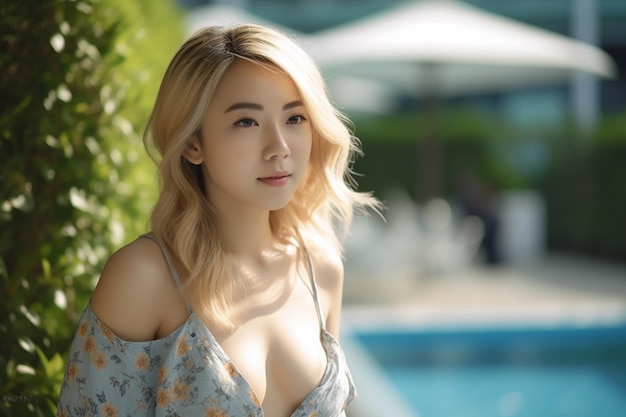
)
(231, 305)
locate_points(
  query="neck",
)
(259, 255)
(246, 235)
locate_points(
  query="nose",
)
(276, 145)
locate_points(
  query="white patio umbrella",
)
(222, 14)
(451, 48)
(441, 48)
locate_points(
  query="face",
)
(256, 139)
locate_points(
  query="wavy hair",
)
(322, 206)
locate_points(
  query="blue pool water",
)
(567, 372)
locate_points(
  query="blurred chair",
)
(386, 260)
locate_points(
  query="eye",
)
(245, 123)
(297, 119)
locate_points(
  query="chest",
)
(278, 349)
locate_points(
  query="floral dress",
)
(186, 373)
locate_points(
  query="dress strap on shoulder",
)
(170, 264)
(316, 297)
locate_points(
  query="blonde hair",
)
(321, 208)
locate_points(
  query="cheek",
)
(217, 165)
(304, 146)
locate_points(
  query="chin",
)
(276, 205)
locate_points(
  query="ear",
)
(193, 152)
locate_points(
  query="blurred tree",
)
(582, 180)
(586, 199)
(469, 141)
(77, 79)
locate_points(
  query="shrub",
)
(74, 183)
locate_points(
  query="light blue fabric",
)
(187, 373)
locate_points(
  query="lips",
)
(277, 179)
(276, 175)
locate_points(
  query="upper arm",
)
(131, 291)
(329, 275)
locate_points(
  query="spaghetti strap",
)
(170, 264)
(316, 297)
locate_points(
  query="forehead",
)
(249, 81)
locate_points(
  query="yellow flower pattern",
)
(98, 360)
(72, 371)
(253, 397)
(82, 330)
(215, 412)
(162, 398)
(109, 410)
(142, 361)
(162, 374)
(180, 389)
(183, 347)
(90, 345)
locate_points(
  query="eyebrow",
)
(256, 106)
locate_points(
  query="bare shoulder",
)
(132, 289)
(329, 271)
(328, 267)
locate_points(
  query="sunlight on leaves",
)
(32, 317)
(58, 42)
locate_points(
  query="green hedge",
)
(586, 191)
(468, 140)
(583, 180)
(76, 78)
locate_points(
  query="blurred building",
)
(600, 22)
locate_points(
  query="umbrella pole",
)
(429, 144)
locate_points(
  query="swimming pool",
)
(491, 372)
